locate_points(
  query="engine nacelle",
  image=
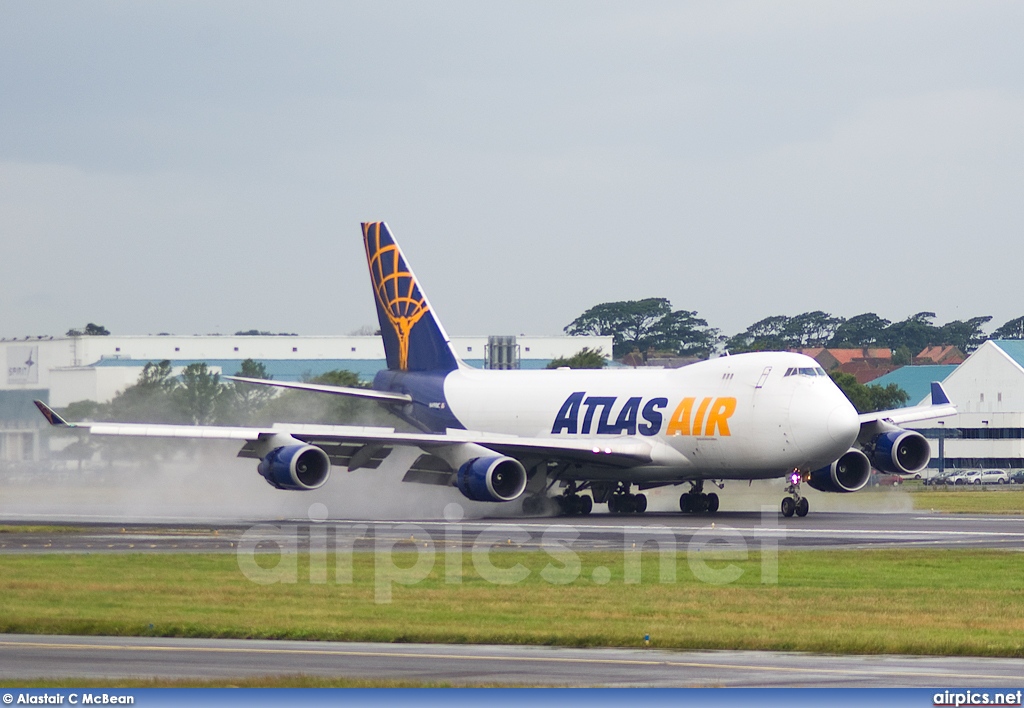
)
(492, 479)
(847, 474)
(901, 451)
(296, 467)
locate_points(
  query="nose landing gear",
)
(794, 504)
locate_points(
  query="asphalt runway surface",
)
(24, 656)
(88, 534)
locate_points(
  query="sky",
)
(203, 167)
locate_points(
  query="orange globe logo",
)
(395, 287)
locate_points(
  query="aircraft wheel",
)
(628, 503)
(640, 503)
(685, 503)
(701, 504)
(712, 502)
(613, 504)
(586, 505)
(802, 507)
(788, 506)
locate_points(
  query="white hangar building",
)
(988, 390)
(62, 370)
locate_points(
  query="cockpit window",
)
(806, 371)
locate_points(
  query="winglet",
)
(51, 417)
(939, 395)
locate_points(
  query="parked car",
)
(1017, 477)
(937, 479)
(991, 477)
(884, 480)
(959, 477)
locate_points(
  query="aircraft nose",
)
(843, 424)
(823, 423)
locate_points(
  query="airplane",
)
(504, 436)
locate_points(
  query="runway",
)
(833, 530)
(23, 656)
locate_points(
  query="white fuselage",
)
(747, 416)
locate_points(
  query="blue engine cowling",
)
(847, 474)
(492, 479)
(900, 451)
(296, 467)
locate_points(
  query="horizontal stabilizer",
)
(325, 388)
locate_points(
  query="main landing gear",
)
(575, 504)
(618, 497)
(696, 501)
(627, 503)
(794, 504)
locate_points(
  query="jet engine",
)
(493, 479)
(296, 467)
(900, 451)
(847, 474)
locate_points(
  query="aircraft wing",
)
(622, 452)
(940, 407)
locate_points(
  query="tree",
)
(871, 397)
(966, 336)
(902, 356)
(645, 325)
(338, 377)
(251, 398)
(585, 358)
(632, 324)
(200, 396)
(763, 335)
(311, 407)
(811, 329)
(90, 330)
(149, 399)
(864, 330)
(85, 410)
(686, 334)
(1014, 329)
(915, 332)
(95, 330)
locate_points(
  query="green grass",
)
(969, 501)
(947, 602)
(20, 528)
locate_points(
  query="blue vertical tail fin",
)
(414, 339)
